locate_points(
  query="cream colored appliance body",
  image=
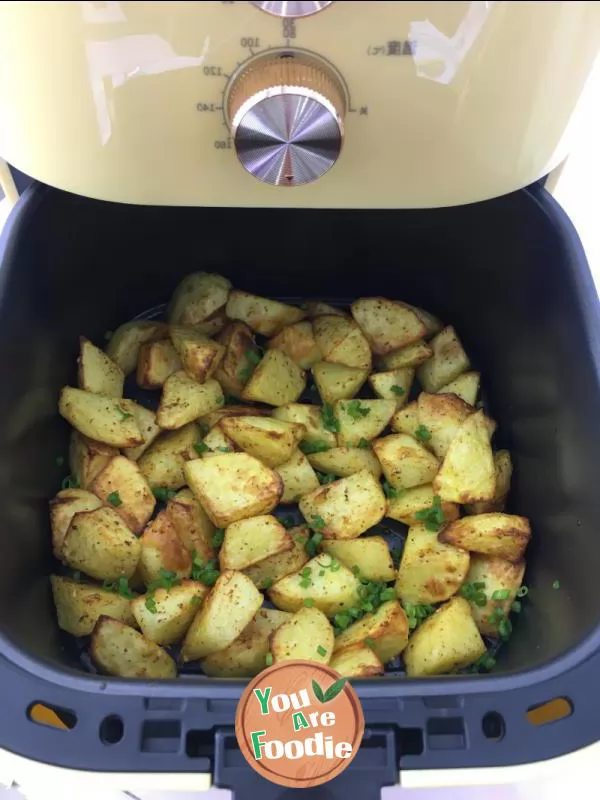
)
(445, 102)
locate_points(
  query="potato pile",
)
(334, 418)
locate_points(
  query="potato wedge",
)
(124, 345)
(468, 474)
(430, 571)
(270, 440)
(385, 631)
(261, 314)
(393, 385)
(498, 535)
(80, 605)
(432, 324)
(100, 418)
(156, 361)
(370, 555)
(337, 381)
(405, 462)
(122, 485)
(312, 419)
(240, 359)
(147, 424)
(356, 661)
(162, 550)
(406, 420)
(215, 417)
(197, 298)
(87, 458)
(306, 636)
(249, 541)
(298, 477)
(449, 360)
(347, 507)
(446, 641)
(298, 342)
(97, 373)
(216, 442)
(191, 522)
(362, 420)
(330, 591)
(100, 544)
(342, 342)
(345, 461)
(316, 308)
(408, 503)
(276, 381)
(183, 400)
(162, 464)
(442, 415)
(119, 650)
(233, 486)
(466, 386)
(63, 508)
(503, 469)
(410, 356)
(199, 355)
(246, 656)
(228, 609)
(387, 325)
(273, 569)
(164, 615)
(502, 579)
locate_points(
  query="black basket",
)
(510, 274)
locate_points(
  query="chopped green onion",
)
(325, 479)
(313, 447)
(363, 444)
(355, 410)
(505, 628)
(269, 659)
(356, 570)
(330, 422)
(480, 599)
(370, 643)
(388, 594)
(556, 585)
(163, 494)
(150, 604)
(201, 447)
(342, 620)
(478, 585)
(501, 594)
(390, 492)
(124, 414)
(321, 651)
(114, 498)
(267, 583)
(223, 450)
(397, 390)
(317, 523)
(309, 602)
(516, 607)
(433, 517)
(335, 565)
(288, 522)
(523, 591)
(217, 539)
(423, 434)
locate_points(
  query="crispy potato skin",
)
(386, 628)
(306, 636)
(500, 535)
(80, 605)
(119, 650)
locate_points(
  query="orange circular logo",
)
(299, 724)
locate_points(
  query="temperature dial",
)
(301, 9)
(287, 119)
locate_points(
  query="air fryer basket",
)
(509, 273)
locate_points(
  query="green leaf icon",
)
(335, 689)
(318, 692)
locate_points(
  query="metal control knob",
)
(287, 120)
(300, 9)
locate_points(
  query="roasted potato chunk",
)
(446, 641)
(276, 381)
(162, 464)
(442, 415)
(298, 342)
(306, 636)
(147, 424)
(246, 656)
(432, 323)
(347, 507)
(261, 314)
(406, 420)
(410, 502)
(118, 650)
(337, 381)
(499, 535)
(371, 556)
(198, 297)
(410, 356)
(216, 442)
(241, 356)
(501, 579)
(183, 400)
(88, 458)
(385, 631)
(122, 485)
(164, 615)
(330, 591)
(387, 325)
(100, 418)
(316, 308)
(449, 360)
(404, 461)
(80, 605)
(362, 419)
(62, 510)
(393, 385)
(192, 524)
(156, 362)
(430, 571)
(249, 541)
(466, 386)
(298, 477)
(272, 569)
(215, 417)
(503, 469)
(100, 544)
(162, 550)
(230, 606)
(233, 486)
(342, 342)
(97, 373)
(312, 418)
(124, 345)
(356, 661)
(270, 440)
(467, 474)
(345, 461)
(199, 355)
